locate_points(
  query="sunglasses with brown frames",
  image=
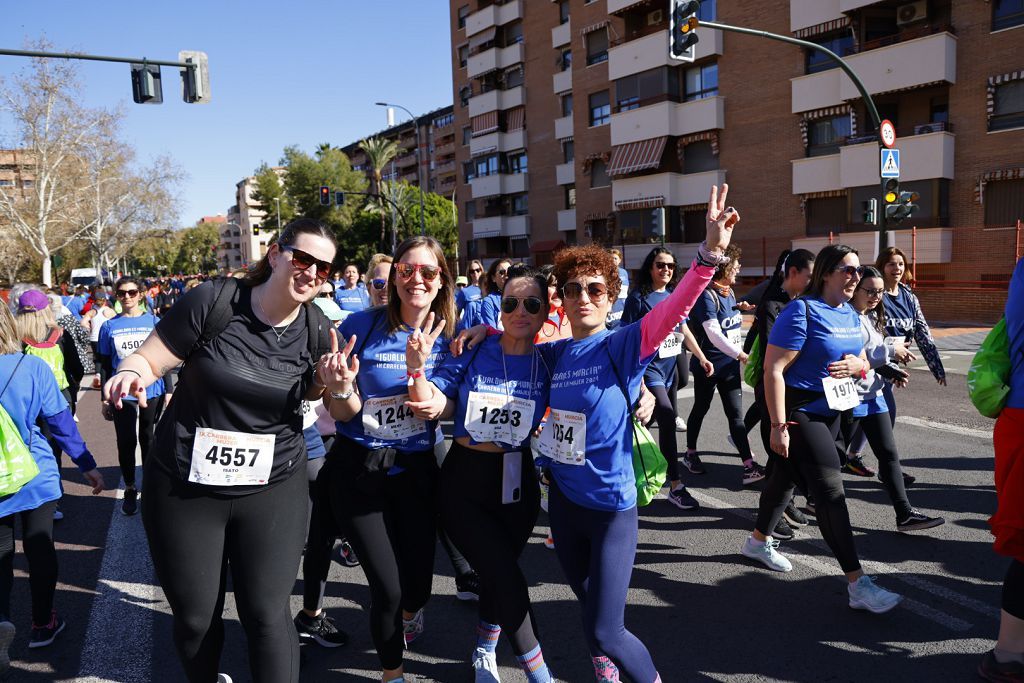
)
(302, 260)
(574, 290)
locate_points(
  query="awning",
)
(485, 123)
(485, 36)
(593, 27)
(484, 150)
(546, 246)
(637, 156)
(826, 112)
(631, 5)
(567, 138)
(515, 119)
(640, 203)
(823, 28)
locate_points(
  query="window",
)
(513, 78)
(708, 10)
(570, 196)
(517, 162)
(938, 110)
(1004, 202)
(840, 43)
(825, 215)
(701, 81)
(442, 121)
(470, 212)
(694, 226)
(563, 11)
(644, 88)
(520, 248)
(513, 33)
(471, 249)
(599, 174)
(28, 184)
(1007, 13)
(825, 136)
(699, 157)
(463, 13)
(568, 151)
(567, 104)
(597, 46)
(485, 166)
(600, 108)
(565, 60)
(465, 92)
(637, 226)
(1008, 106)
(463, 55)
(469, 170)
(520, 204)
(6, 182)
(467, 133)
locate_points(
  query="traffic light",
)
(683, 29)
(255, 229)
(870, 208)
(899, 205)
(339, 198)
(195, 81)
(147, 86)
(325, 195)
(658, 226)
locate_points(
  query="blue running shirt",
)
(121, 336)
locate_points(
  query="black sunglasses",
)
(661, 265)
(126, 293)
(379, 283)
(849, 270)
(325, 295)
(302, 261)
(532, 304)
(574, 290)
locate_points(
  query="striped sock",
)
(487, 635)
(605, 670)
(534, 666)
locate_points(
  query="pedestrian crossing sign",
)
(890, 163)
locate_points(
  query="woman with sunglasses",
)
(378, 272)
(588, 440)
(488, 493)
(119, 338)
(657, 279)
(226, 479)
(813, 356)
(471, 292)
(382, 470)
(490, 304)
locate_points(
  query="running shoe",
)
(57, 514)
(7, 632)
(783, 531)
(467, 586)
(320, 629)
(682, 499)
(680, 424)
(855, 465)
(691, 461)
(130, 504)
(544, 496)
(44, 635)
(793, 515)
(346, 554)
(991, 669)
(485, 666)
(908, 480)
(413, 628)
(224, 678)
(917, 520)
(809, 507)
(765, 553)
(549, 542)
(752, 473)
(866, 594)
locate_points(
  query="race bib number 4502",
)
(223, 458)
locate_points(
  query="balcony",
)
(650, 52)
(561, 34)
(619, 5)
(493, 15)
(445, 167)
(406, 160)
(805, 13)
(565, 174)
(562, 81)
(493, 59)
(934, 245)
(499, 183)
(912, 63)
(497, 100)
(668, 118)
(676, 189)
(501, 226)
(498, 142)
(567, 219)
(563, 127)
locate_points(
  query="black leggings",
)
(814, 460)
(323, 530)
(194, 537)
(492, 535)
(728, 382)
(665, 412)
(1013, 590)
(878, 429)
(127, 438)
(391, 522)
(37, 540)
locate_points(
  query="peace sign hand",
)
(337, 370)
(721, 219)
(421, 343)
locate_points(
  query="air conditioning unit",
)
(654, 17)
(911, 12)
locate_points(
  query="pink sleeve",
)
(662, 319)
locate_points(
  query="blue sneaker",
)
(866, 594)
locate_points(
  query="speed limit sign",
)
(888, 133)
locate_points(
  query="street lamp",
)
(419, 160)
(277, 200)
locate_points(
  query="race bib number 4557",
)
(223, 458)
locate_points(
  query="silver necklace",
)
(273, 329)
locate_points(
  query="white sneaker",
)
(866, 594)
(413, 628)
(766, 554)
(223, 678)
(485, 666)
(680, 424)
(7, 632)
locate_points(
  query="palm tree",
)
(379, 151)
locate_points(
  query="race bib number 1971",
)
(841, 394)
(223, 458)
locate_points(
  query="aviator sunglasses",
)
(850, 271)
(427, 272)
(378, 284)
(574, 290)
(302, 261)
(532, 304)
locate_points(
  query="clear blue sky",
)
(281, 73)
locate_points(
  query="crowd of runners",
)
(292, 414)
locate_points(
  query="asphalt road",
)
(704, 611)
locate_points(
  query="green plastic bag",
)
(755, 363)
(988, 377)
(649, 465)
(17, 466)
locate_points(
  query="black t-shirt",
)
(244, 380)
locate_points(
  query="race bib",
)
(387, 418)
(735, 336)
(497, 418)
(564, 437)
(223, 458)
(672, 346)
(128, 342)
(841, 394)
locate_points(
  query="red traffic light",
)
(325, 195)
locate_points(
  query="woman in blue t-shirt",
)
(488, 497)
(588, 438)
(488, 310)
(381, 468)
(814, 352)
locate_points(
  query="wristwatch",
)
(343, 396)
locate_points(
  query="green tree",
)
(440, 220)
(270, 195)
(379, 151)
(197, 248)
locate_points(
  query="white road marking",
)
(942, 427)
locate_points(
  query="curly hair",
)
(734, 253)
(588, 260)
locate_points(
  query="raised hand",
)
(337, 370)
(721, 219)
(123, 385)
(421, 343)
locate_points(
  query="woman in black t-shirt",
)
(225, 481)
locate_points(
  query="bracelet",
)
(783, 426)
(136, 372)
(415, 373)
(712, 259)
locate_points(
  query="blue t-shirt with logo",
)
(661, 371)
(1015, 332)
(490, 310)
(382, 374)
(352, 300)
(822, 334)
(711, 305)
(121, 336)
(465, 295)
(900, 313)
(619, 305)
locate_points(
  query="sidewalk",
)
(959, 338)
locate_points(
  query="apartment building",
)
(16, 172)
(617, 129)
(248, 229)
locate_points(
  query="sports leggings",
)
(391, 522)
(492, 535)
(878, 430)
(728, 382)
(194, 537)
(1013, 590)
(37, 539)
(858, 439)
(813, 459)
(127, 438)
(323, 530)
(596, 549)
(665, 415)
